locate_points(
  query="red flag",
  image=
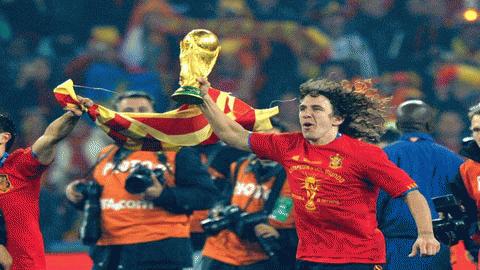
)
(185, 126)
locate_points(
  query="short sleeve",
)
(266, 145)
(380, 171)
(27, 164)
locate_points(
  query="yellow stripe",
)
(66, 88)
(262, 118)
(222, 101)
(231, 102)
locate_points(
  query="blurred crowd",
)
(411, 49)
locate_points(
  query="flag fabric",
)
(184, 126)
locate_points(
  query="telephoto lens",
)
(90, 229)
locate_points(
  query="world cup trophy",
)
(199, 50)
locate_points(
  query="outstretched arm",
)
(229, 131)
(426, 242)
(45, 146)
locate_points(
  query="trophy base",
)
(188, 95)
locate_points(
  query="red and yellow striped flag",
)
(185, 126)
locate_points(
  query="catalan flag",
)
(184, 126)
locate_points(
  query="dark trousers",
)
(168, 254)
(303, 265)
(211, 264)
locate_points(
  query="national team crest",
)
(5, 184)
(336, 161)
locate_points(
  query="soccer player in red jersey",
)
(334, 174)
(20, 173)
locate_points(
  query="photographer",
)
(256, 231)
(144, 209)
(470, 169)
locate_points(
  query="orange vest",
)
(226, 246)
(127, 218)
(470, 172)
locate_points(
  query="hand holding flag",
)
(184, 126)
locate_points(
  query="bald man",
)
(433, 167)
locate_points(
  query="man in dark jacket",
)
(433, 167)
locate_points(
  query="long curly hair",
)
(358, 103)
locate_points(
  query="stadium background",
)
(412, 49)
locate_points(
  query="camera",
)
(452, 226)
(270, 245)
(140, 179)
(90, 229)
(223, 218)
(245, 229)
(243, 225)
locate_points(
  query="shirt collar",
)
(420, 135)
(3, 158)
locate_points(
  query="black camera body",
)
(140, 179)
(452, 226)
(90, 229)
(243, 225)
(225, 218)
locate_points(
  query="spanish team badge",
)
(336, 161)
(5, 184)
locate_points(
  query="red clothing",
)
(19, 195)
(470, 173)
(334, 189)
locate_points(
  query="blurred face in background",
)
(475, 128)
(135, 105)
(450, 125)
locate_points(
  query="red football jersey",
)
(19, 202)
(334, 189)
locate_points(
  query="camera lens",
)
(139, 180)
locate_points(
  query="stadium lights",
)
(470, 13)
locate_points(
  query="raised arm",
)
(229, 131)
(426, 242)
(45, 146)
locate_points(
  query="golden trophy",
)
(198, 53)
(311, 188)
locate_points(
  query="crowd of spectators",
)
(412, 49)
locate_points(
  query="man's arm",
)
(45, 146)
(5, 258)
(229, 131)
(426, 242)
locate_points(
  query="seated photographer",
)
(256, 231)
(145, 199)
